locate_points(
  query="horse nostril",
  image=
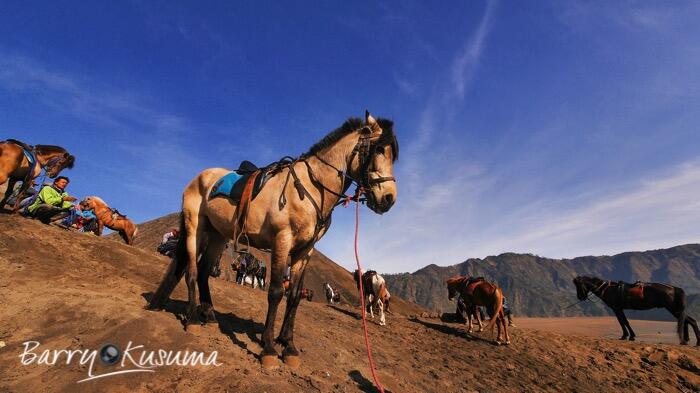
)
(388, 199)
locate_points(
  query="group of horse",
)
(286, 207)
(20, 162)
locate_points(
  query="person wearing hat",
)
(53, 202)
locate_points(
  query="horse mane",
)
(455, 280)
(98, 199)
(387, 138)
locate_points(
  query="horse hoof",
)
(684, 343)
(269, 361)
(292, 361)
(193, 328)
(631, 338)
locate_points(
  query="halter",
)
(363, 149)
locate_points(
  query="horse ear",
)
(372, 127)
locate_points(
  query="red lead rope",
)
(362, 295)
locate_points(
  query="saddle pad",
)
(223, 186)
(636, 293)
(471, 286)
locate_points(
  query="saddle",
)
(471, 284)
(233, 184)
(629, 292)
(31, 157)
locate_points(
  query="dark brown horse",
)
(639, 296)
(16, 166)
(480, 292)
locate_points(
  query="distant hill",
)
(320, 269)
(538, 286)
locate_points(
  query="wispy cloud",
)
(465, 64)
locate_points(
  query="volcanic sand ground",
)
(74, 291)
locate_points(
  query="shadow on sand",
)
(229, 324)
(450, 330)
(364, 384)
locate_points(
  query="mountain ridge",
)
(542, 287)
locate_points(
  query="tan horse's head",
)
(63, 161)
(56, 158)
(377, 166)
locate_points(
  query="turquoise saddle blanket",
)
(223, 186)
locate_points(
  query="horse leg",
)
(382, 317)
(478, 320)
(629, 328)
(278, 262)
(193, 242)
(10, 187)
(290, 355)
(618, 314)
(210, 256)
(691, 321)
(683, 333)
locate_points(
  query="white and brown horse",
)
(112, 219)
(332, 294)
(16, 166)
(288, 216)
(375, 292)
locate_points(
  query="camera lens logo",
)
(109, 354)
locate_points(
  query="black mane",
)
(388, 137)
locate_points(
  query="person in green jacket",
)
(53, 202)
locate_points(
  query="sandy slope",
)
(72, 291)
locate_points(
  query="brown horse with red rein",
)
(22, 162)
(288, 216)
(480, 292)
(639, 296)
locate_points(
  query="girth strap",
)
(241, 213)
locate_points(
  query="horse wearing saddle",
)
(243, 185)
(630, 292)
(470, 284)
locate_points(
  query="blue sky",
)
(559, 128)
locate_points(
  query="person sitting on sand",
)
(53, 202)
(83, 218)
(169, 244)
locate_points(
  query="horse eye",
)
(380, 149)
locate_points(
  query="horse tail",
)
(174, 272)
(680, 304)
(498, 295)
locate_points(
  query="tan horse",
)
(287, 216)
(482, 293)
(113, 220)
(15, 166)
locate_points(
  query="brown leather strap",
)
(242, 208)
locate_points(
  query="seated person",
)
(83, 218)
(168, 245)
(53, 202)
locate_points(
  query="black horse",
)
(639, 296)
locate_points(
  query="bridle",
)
(363, 150)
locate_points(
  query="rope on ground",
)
(362, 296)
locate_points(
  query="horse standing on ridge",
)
(21, 162)
(639, 296)
(480, 292)
(289, 215)
(112, 219)
(375, 292)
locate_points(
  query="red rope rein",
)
(362, 294)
